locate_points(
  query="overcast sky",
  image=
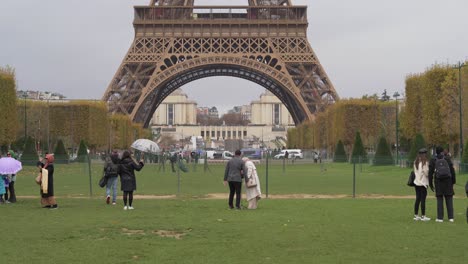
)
(74, 47)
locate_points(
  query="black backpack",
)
(112, 170)
(442, 169)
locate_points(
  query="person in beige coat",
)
(421, 182)
(253, 193)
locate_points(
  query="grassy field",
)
(192, 230)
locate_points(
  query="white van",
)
(292, 153)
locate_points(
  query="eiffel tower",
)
(177, 42)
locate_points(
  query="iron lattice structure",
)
(177, 42)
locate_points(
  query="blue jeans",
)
(112, 183)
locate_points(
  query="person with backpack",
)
(111, 172)
(421, 182)
(442, 174)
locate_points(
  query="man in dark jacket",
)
(233, 176)
(443, 186)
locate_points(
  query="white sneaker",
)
(439, 220)
(417, 218)
(451, 220)
(424, 218)
(130, 208)
(125, 207)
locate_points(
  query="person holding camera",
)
(127, 168)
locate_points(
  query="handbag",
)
(411, 178)
(38, 179)
(251, 182)
(103, 182)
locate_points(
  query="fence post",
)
(284, 165)
(267, 157)
(90, 177)
(354, 178)
(178, 174)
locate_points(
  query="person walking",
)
(111, 172)
(421, 182)
(127, 167)
(442, 174)
(233, 176)
(10, 195)
(253, 193)
(47, 186)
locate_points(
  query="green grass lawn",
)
(344, 230)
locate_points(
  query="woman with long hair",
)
(421, 182)
(127, 169)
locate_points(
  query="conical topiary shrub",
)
(29, 156)
(82, 152)
(60, 153)
(340, 153)
(359, 153)
(383, 154)
(417, 144)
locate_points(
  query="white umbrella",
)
(146, 145)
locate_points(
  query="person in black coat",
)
(127, 168)
(443, 187)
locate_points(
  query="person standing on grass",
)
(2, 187)
(421, 182)
(111, 172)
(233, 176)
(47, 190)
(127, 167)
(442, 173)
(253, 193)
(10, 195)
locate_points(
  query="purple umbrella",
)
(9, 166)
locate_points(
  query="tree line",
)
(430, 109)
(47, 123)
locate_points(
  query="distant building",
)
(244, 111)
(213, 112)
(38, 95)
(177, 117)
(270, 111)
(176, 109)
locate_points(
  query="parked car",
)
(292, 153)
(225, 155)
(252, 153)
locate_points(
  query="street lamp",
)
(459, 67)
(25, 118)
(395, 95)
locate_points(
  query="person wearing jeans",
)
(111, 170)
(111, 185)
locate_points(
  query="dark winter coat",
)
(445, 186)
(127, 168)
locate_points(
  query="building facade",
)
(269, 120)
(175, 110)
(269, 111)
